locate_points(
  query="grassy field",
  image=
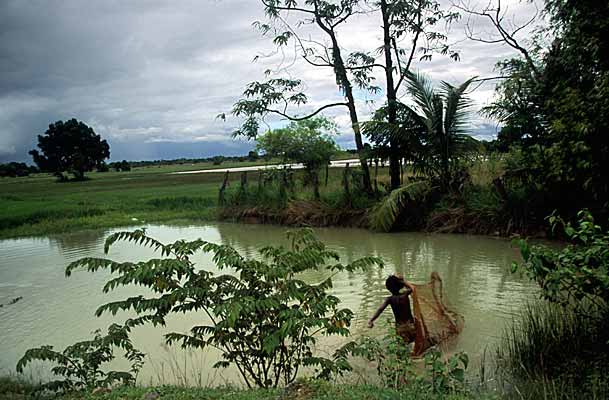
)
(38, 204)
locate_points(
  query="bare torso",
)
(400, 305)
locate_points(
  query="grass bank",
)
(38, 205)
(309, 390)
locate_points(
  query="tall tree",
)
(274, 96)
(555, 98)
(70, 147)
(415, 21)
(409, 34)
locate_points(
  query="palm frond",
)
(421, 89)
(457, 107)
(409, 123)
(385, 214)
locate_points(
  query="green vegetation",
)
(557, 352)
(410, 34)
(300, 390)
(263, 319)
(578, 272)
(15, 169)
(553, 104)
(38, 205)
(397, 370)
(307, 142)
(71, 147)
(562, 345)
(80, 364)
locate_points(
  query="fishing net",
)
(435, 323)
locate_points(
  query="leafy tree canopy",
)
(308, 142)
(70, 147)
(14, 169)
(431, 133)
(555, 107)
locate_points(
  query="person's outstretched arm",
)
(409, 287)
(378, 312)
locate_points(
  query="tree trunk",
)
(376, 173)
(315, 176)
(79, 175)
(260, 176)
(345, 84)
(394, 156)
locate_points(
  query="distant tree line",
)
(15, 169)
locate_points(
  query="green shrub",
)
(262, 317)
(80, 364)
(579, 271)
(564, 343)
(398, 370)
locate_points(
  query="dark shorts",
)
(407, 331)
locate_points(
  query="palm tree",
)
(432, 134)
(443, 114)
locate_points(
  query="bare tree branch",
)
(294, 118)
(496, 15)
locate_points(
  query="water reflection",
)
(60, 311)
(73, 245)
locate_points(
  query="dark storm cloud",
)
(150, 76)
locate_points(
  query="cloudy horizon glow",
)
(151, 76)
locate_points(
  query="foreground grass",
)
(298, 391)
(557, 352)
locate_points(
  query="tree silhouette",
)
(70, 147)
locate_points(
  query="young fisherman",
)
(400, 305)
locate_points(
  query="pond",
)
(59, 311)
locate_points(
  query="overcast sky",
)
(151, 76)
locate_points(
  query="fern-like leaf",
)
(384, 215)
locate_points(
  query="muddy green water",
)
(59, 311)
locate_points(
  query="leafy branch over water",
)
(262, 317)
(80, 364)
